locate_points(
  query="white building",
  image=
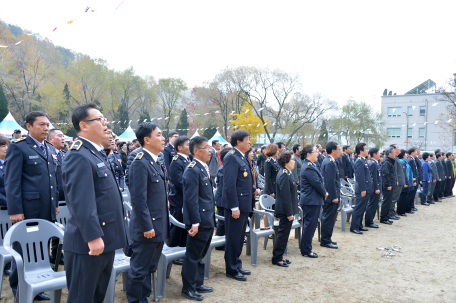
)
(418, 119)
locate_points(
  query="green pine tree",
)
(323, 137)
(123, 117)
(209, 132)
(183, 124)
(144, 115)
(3, 104)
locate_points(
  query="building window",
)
(394, 111)
(394, 132)
(410, 111)
(422, 111)
(422, 130)
(409, 132)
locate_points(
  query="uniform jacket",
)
(149, 199)
(168, 154)
(287, 194)
(130, 158)
(94, 200)
(348, 168)
(2, 186)
(362, 176)
(176, 189)
(261, 160)
(58, 171)
(400, 172)
(376, 175)
(213, 163)
(219, 191)
(116, 163)
(124, 157)
(440, 170)
(30, 180)
(296, 171)
(331, 178)
(312, 186)
(340, 165)
(412, 163)
(435, 173)
(199, 203)
(388, 172)
(419, 177)
(444, 169)
(449, 168)
(238, 184)
(427, 172)
(271, 168)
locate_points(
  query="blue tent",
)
(128, 135)
(8, 125)
(219, 137)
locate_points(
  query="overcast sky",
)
(340, 48)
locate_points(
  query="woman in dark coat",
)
(271, 168)
(286, 206)
(402, 201)
(313, 195)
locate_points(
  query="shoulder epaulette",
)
(139, 156)
(63, 151)
(232, 152)
(175, 157)
(310, 163)
(191, 165)
(331, 159)
(48, 142)
(76, 145)
(285, 171)
(19, 140)
(269, 159)
(359, 158)
(116, 152)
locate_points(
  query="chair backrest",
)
(64, 213)
(128, 209)
(33, 236)
(345, 202)
(5, 223)
(346, 191)
(267, 202)
(173, 221)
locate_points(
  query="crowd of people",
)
(192, 180)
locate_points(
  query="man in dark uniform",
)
(218, 198)
(97, 223)
(169, 152)
(30, 180)
(320, 155)
(199, 218)
(439, 184)
(114, 157)
(178, 236)
(420, 172)
(374, 196)
(330, 173)
(449, 168)
(261, 159)
(238, 191)
(363, 188)
(445, 173)
(149, 223)
(348, 168)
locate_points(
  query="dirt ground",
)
(424, 270)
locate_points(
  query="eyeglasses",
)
(206, 148)
(101, 119)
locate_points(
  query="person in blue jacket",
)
(313, 195)
(427, 177)
(409, 184)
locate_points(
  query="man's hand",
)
(377, 191)
(57, 210)
(433, 181)
(363, 193)
(390, 188)
(405, 186)
(96, 247)
(235, 214)
(120, 188)
(149, 234)
(272, 195)
(290, 218)
(326, 196)
(414, 184)
(193, 231)
(257, 192)
(17, 218)
(428, 182)
(346, 177)
(335, 200)
(440, 180)
(449, 177)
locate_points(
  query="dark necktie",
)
(103, 155)
(43, 149)
(59, 157)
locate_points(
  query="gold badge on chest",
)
(245, 173)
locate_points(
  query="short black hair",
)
(4, 141)
(144, 129)
(180, 141)
(80, 113)
(246, 154)
(401, 155)
(110, 127)
(51, 132)
(296, 148)
(196, 142)
(373, 151)
(331, 146)
(134, 140)
(120, 144)
(437, 154)
(431, 155)
(388, 151)
(394, 146)
(31, 117)
(426, 155)
(214, 142)
(448, 154)
(411, 150)
(224, 152)
(280, 144)
(437, 150)
(263, 147)
(307, 150)
(172, 134)
(360, 147)
(345, 147)
(238, 135)
(284, 158)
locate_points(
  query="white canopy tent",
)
(128, 135)
(8, 125)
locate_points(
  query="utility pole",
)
(406, 132)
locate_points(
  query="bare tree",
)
(170, 92)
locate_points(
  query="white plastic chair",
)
(5, 256)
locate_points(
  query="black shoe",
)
(434, 202)
(42, 297)
(335, 243)
(192, 295)
(373, 225)
(410, 212)
(311, 255)
(386, 222)
(281, 264)
(427, 204)
(220, 248)
(178, 262)
(403, 215)
(8, 272)
(244, 272)
(415, 209)
(363, 229)
(204, 289)
(329, 245)
(394, 218)
(237, 277)
(356, 232)
(287, 261)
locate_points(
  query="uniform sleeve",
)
(360, 175)
(373, 170)
(230, 173)
(80, 195)
(13, 179)
(268, 180)
(315, 181)
(191, 189)
(139, 179)
(176, 171)
(283, 184)
(328, 177)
